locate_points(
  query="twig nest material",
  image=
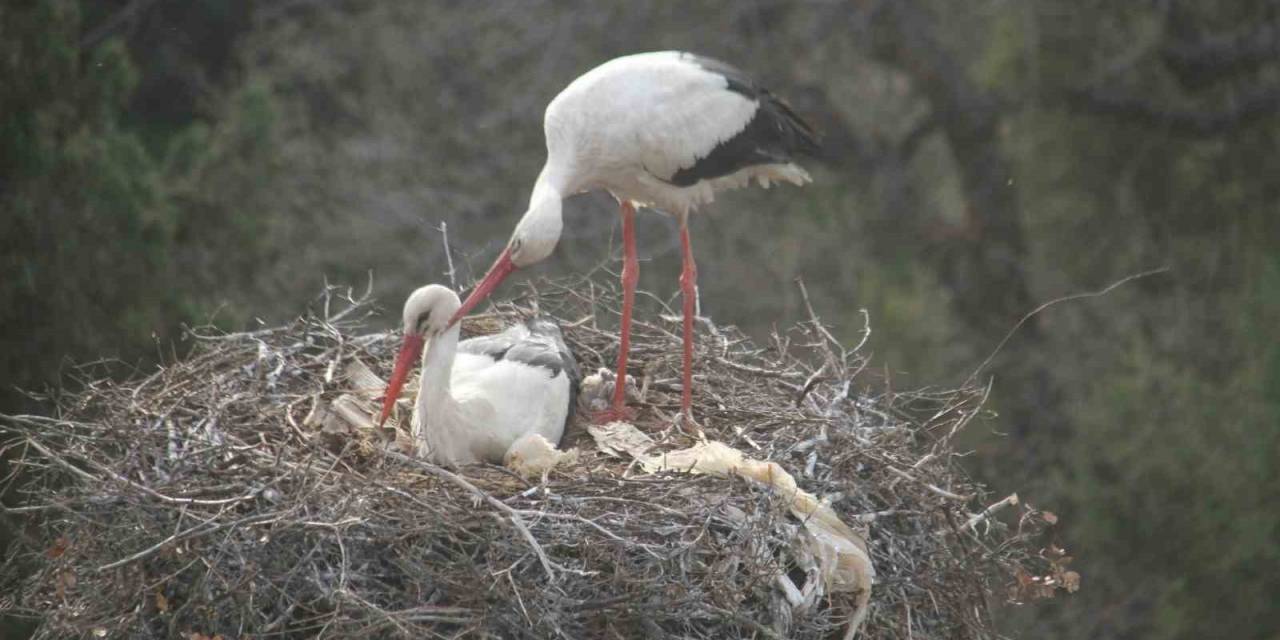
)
(227, 492)
(840, 553)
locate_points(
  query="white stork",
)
(481, 398)
(667, 129)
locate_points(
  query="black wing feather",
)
(775, 134)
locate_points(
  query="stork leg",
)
(630, 277)
(688, 287)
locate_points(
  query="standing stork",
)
(667, 129)
(481, 399)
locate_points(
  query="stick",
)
(938, 490)
(92, 479)
(979, 518)
(816, 322)
(448, 256)
(1075, 296)
(194, 532)
(440, 472)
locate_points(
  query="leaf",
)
(162, 603)
(1049, 517)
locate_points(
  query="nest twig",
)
(200, 500)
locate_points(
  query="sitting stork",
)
(667, 129)
(482, 398)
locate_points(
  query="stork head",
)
(537, 233)
(426, 315)
(534, 239)
(428, 310)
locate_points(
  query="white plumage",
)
(669, 129)
(481, 398)
(629, 125)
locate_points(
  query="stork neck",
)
(553, 182)
(435, 398)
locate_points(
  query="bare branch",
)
(1076, 296)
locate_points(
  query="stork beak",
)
(409, 352)
(501, 268)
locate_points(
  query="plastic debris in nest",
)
(834, 555)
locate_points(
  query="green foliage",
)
(1169, 467)
(98, 237)
(1179, 493)
(1002, 63)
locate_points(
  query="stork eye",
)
(516, 243)
(423, 321)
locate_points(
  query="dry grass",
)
(197, 500)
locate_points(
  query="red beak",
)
(501, 268)
(409, 352)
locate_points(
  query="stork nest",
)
(199, 501)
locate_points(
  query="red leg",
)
(688, 286)
(630, 277)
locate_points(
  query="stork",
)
(482, 398)
(667, 129)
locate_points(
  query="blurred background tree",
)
(167, 162)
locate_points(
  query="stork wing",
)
(518, 343)
(681, 117)
(691, 113)
(536, 342)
